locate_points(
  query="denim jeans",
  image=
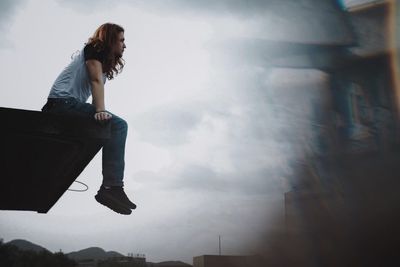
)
(113, 152)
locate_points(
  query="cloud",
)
(191, 6)
(312, 21)
(8, 9)
(88, 6)
(167, 125)
(194, 178)
(259, 181)
(198, 177)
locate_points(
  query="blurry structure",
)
(227, 261)
(42, 154)
(344, 208)
(335, 99)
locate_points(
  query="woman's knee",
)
(119, 123)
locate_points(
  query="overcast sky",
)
(207, 153)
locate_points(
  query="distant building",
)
(138, 260)
(87, 263)
(130, 261)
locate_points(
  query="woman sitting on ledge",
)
(100, 59)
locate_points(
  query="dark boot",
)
(115, 199)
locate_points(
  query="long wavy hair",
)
(103, 40)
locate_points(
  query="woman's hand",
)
(102, 116)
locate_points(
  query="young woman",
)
(85, 76)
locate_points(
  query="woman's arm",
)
(95, 71)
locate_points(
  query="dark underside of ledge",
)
(41, 154)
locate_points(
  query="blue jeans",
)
(113, 160)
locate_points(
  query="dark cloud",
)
(313, 21)
(178, 6)
(8, 8)
(223, 7)
(303, 21)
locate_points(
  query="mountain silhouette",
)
(26, 245)
(94, 253)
